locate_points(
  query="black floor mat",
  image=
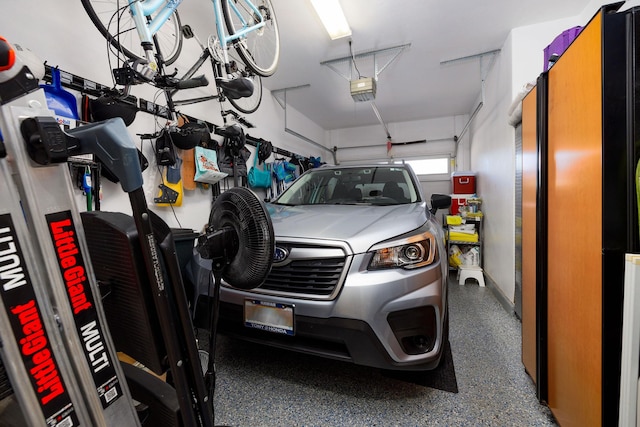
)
(268, 361)
(442, 378)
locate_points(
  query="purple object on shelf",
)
(559, 45)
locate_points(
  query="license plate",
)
(269, 316)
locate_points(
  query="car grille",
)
(318, 277)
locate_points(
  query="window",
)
(432, 166)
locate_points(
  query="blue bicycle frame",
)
(147, 27)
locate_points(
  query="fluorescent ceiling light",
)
(332, 18)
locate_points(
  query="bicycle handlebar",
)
(169, 82)
(191, 83)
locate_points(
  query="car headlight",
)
(414, 252)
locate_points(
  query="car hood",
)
(359, 225)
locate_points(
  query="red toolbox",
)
(464, 182)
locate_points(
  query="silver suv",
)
(359, 271)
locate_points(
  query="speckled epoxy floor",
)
(262, 386)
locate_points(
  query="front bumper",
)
(370, 322)
(341, 339)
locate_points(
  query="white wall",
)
(492, 158)
(61, 34)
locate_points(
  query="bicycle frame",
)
(204, 57)
(147, 27)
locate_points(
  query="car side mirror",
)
(439, 201)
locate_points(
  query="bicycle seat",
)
(239, 87)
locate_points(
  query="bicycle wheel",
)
(259, 49)
(251, 103)
(113, 19)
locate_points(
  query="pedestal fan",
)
(240, 243)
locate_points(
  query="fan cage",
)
(240, 209)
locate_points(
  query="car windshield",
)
(378, 185)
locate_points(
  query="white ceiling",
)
(414, 85)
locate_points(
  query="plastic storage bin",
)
(559, 45)
(464, 182)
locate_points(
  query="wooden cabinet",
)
(529, 219)
(574, 243)
(580, 147)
